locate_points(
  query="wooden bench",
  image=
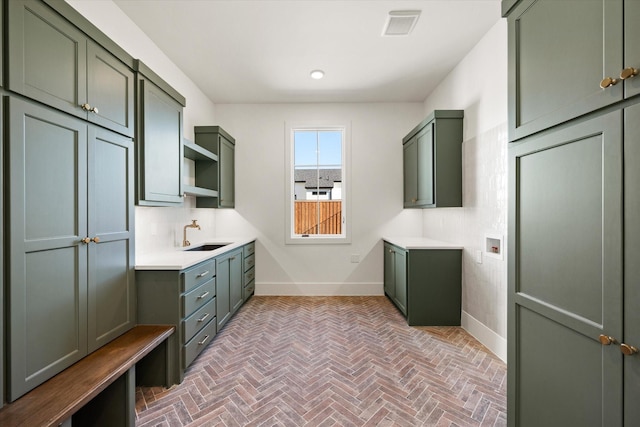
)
(97, 390)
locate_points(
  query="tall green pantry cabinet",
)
(69, 191)
(574, 236)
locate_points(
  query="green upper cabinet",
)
(159, 140)
(561, 52)
(70, 279)
(53, 62)
(222, 175)
(432, 161)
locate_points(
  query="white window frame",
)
(314, 239)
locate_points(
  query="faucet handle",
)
(194, 222)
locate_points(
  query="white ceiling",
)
(259, 51)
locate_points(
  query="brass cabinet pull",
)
(95, 239)
(200, 320)
(627, 349)
(628, 72)
(204, 294)
(608, 82)
(85, 240)
(89, 108)
(88, 240)
(607, 340)
(204, 273)
(204, 340)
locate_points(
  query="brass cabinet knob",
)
(95, 239)
(627, 349)
(607, 82)
(606, 340)
(87, 107)
(628, 72)
(85, 240)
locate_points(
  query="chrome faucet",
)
(193, 224)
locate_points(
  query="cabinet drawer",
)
(249, 249)
(198, 274)
(249, 289)
(249, 262)
(249, 276)
(192, 324)
(194, 347)
(198, 297)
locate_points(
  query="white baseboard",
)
(320, 289)
(494, 342)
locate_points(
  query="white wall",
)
(157, 227)
(478, 85)
(376, 192)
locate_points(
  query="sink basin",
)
(210, 247)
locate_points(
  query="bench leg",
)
(114, 406)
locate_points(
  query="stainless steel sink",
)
(209, 247)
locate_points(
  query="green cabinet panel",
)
(566, 277)
(2, 239)
(53, 62)
(159, 143)
(185, 299)
(425, 284)
(432, 161)
(631, 47)
(70, 277)
(559, 52)
(632, 261)
(219, 175)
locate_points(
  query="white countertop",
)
(181, 258)
(420, 243)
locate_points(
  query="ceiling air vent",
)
(400, 22)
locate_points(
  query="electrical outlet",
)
(355, 258)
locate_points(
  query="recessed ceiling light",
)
(317, 74)
(400, 22)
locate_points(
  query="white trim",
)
(320, 289)
(487, 337)
(345, 238)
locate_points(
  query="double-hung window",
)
(317, 184)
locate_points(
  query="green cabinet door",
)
(565, 278)
(410, 172)
(47, 272)
(159, 146)
(223, 291)
(55, 63)
(226, 163)
(111, 285)
(424, 141)
(389, 271)
(400, 279)
(110, 85)
(235, 281)
(48, 56)
(229, 285)
(559, 51)
(632, 262)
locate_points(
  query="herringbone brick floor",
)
(332, 361)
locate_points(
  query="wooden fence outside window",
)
(318, 217)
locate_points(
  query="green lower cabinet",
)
(566, 285)
(425, 284)
(70, 286)
(185, 299)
